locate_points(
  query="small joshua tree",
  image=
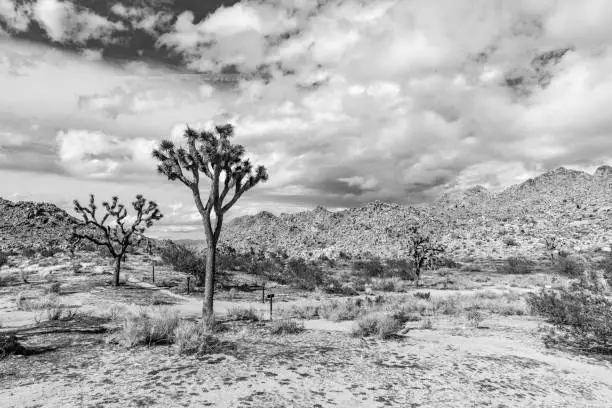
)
(113, 230)
(421, 246)
(550, 242)
(229, 175)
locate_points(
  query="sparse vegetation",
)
(184, 259)
(145, 328)
(286, 326)
(243, 313)
(516, 265)
(382, 325)
(582, 314)
(28, 252)
(569, 266)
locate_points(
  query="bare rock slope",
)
(32, 224)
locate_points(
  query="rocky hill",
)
(27, 224)
(32, 224)
(572, 205)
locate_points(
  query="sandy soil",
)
(503, 364)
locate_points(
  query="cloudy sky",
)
(345, 102)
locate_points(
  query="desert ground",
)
(70, 319)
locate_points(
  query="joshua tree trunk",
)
(209, 286)
(117, 269)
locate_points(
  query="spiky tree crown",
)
(113, 231)
(213, 154)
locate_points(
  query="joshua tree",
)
(551, 244)
(421, 246)
(113, 231)
(229, 175)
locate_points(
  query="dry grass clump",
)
(243, 313)
(198, 339)
(301, 312)
(394, 284)
(147, 328)
(338, 310)
(382, 325)
(46, 302)
(56, 312)
(286, 326)
(159, 299)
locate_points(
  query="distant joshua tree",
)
(551, 244)
(113, 231)
(229, 175)
(421, 247)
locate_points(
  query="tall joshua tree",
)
(229, 175)
(113, 231)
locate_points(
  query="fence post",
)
(263, 293)
(153, 270)
(188, 284)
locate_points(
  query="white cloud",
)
(92, 154)
(17, 17)
(64, 23)
(143, 18)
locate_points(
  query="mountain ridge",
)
(476, 221)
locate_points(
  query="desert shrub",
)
(516, 265)
(159, 299)
(46, 302)
(337, 310)
(569, 266)
(427, 324)
(55, 287)
(475, 317)
(184, 259)
(56, 312)
(10, 345)
(370, 268)
(76, 268)
(582, 313)
(49, 251)
(422, 295)
(448, 305)
(28, 252)
(382, 325)
(4, 258)
(88, 247)
(510, 241)
(142, 328)
(303, 274)
(388, 284)
(443, 262)
(243, 313)
(7, 279)
(401, 268)
(606, 266)
(470, 268)
(286, 326)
